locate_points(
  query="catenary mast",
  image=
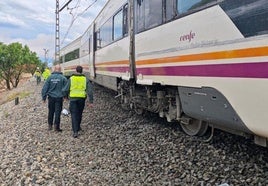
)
(57, 34)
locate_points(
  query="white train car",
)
(216, 55)
(86, 53)
(112, 44)
(199, 62)
(70, 57)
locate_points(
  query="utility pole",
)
(46, 52)
(57, 34)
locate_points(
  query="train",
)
(200, 63)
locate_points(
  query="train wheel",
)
(138, 110)
(195, 127)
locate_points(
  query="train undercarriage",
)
(162, 100)
(195, 109)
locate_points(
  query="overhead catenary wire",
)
(65, 5)
(75, 16)
(75, 8)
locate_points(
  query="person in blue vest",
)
(78, 89)
(53, 90)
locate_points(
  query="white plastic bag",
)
(65, 112)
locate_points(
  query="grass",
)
(11, 97)
(14, 95)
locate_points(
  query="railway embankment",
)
(117, 147)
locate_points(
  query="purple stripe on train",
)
(243, 70)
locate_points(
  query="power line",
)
(75, 8)
(76, 16)
(65, 5)
(87, 8)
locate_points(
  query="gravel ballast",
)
(118, 147)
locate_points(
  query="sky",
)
(33, 23)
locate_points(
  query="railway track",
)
(119, 147)
(154, 151)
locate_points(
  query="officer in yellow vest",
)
(78, 88)
(46, 73)
(37, 75)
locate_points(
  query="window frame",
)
(114, 22)
(97, 35)
(176, 15)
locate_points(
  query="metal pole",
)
(57, 35)
(46, 51)
(131, 31)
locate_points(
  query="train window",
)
(97, 40)
(61, 59)
(72, 55)
(85, 47)
(250, 17)
(125, 20)
(140, 18)
(153, 13)
(169, 8)
(148, 14)
(89, 44)
(105, 36)
(118, 25)
(184, 6)
(115, 28)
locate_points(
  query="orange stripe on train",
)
(240, 53)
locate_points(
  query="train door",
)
(91, 45)
(130, 24)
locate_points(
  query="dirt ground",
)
(5, 94)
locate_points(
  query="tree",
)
(16, 59)
(31, 61)
(4, 66)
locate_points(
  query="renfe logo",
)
(188, 37)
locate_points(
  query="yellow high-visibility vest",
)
(78, 86)
(37, 73)
(46, 73)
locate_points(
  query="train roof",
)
(72, 45)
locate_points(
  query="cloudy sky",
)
(32, 22)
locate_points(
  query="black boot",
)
(75, 134)
(57, 129)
